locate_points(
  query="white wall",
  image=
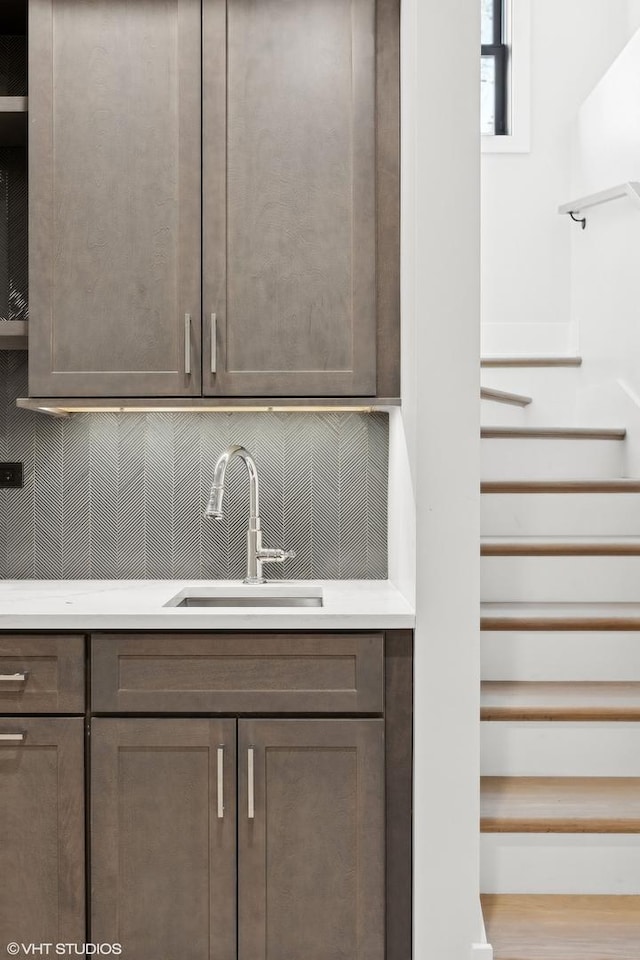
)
(440, 303)
(634, 16)
(526, 245)
(605, 264)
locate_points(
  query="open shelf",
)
(14, 105)
(13, 334)
(14, 215)
(13, 121)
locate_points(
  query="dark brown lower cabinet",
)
(295, 869)
(42, 853)
(311, 840)
(163, 838)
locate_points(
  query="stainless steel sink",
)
(267, 596)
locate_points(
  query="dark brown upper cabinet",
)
(285, 216)
(115, 188)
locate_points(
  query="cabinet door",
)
(311, 839)
(163, 829)
(290, 198)
(115, 200)
(42, 859)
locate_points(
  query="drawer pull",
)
(14, 677)
(214, 343)
(251, 800)
(187, 344)
(221, 782)
(12, 737)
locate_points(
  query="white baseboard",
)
(481, 951)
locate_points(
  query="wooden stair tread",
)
(504, 396)
(553, 433)
(560, 805)
(560, 616)
(555, 700)
(560, 547)
(560, 927)
(531, 362)
(621, 485)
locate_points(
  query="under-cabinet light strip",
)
(68, 409)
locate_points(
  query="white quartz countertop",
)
(142, 605)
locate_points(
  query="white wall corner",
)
(481, 951)
(401, 511)
(441, 414)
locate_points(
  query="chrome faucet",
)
(256, 553)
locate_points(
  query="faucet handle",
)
(269, 555)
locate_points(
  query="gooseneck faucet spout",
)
(214, 507)
(256, 553)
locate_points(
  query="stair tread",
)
(561, 927)
(560, 805)
(549, 546)
(619, 485)
(553, 433)
(560, 700)
(531, 361)
(505, 396)
(560, 616)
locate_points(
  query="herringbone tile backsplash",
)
(121, 496)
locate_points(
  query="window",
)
(494, 69)
(506, 76)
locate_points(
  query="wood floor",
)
(534, 927)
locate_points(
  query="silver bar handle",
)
(214, 343)
(12, 737)
(221, 782)
(251, 799)
(187, 343)
(14, 677)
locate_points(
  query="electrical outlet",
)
(10, 475)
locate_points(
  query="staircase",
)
(560, 705)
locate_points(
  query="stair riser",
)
(560, 514)
(560, 863)
(540, 459)
(565, 655)
(560, 579)
(553, 390)
(504, 414)
(559, 749)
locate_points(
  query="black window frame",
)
(499, 51)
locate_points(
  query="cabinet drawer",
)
(237, 673)
(41, 674)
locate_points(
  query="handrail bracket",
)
(575, 209)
